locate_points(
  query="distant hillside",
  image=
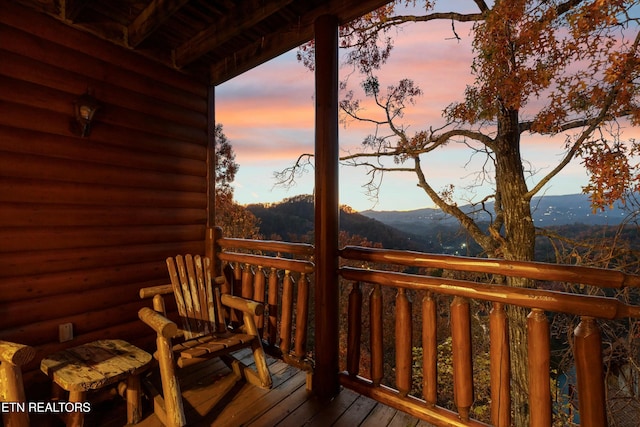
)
(292, 220)
(547, 211)
(429, 230)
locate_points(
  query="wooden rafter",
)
(228, 27)
(70, 9)
(215, 39)
(151, 18)
(277, 43)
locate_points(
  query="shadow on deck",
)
(211, 399)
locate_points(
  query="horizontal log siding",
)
(86, 222)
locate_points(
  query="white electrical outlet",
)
(65, 332)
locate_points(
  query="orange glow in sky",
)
(268, 115)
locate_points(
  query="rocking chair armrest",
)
(16, 354)
(158, 322)
(243, 304)
(151, 291)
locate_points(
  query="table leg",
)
(57, 392)
(76, 419)
(134, 401)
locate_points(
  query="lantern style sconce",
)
(85, 109)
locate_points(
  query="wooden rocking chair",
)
(205, 333)
(12, 357)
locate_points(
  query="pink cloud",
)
(268, 115)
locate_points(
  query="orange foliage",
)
(611, 175)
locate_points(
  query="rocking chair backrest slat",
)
(205, 293)
(197, 296)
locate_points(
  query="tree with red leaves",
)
(574, 67)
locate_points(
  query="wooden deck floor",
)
(211, 399)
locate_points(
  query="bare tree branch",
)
(401, 19)
(287, 178)
(488, 243)
(482, 5)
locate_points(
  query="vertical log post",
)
(259, 281)
(236, 289)
(216, 263)
(209, 248)
(236, 286)
(247, 282)
(272, 327)
(539, 366)
(325, 381)
(227, 271)
(500, 373)
(376, 337)
(286, 322)
(354, 329)
(302, 313)
(404, 332)
(429, 349)
(462, 363)
(590, 373)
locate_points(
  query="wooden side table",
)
(96, 365)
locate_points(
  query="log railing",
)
(587, 351)
(277, 274)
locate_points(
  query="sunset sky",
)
(268, 115)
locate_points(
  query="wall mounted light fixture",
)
(85, 110)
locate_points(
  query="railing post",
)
(354, 329)
(377, 340)
(500, 372)
(302, 313)
(286, 322)
(247, 282)
(590, 373)
(272, 328)
(429, 349)
(259, 281)
(214, 234)
(462, 363)
(404, 331)
(539, 367)
(236, 289)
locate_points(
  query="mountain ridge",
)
(424, 230)
(292, 220)
(546, 210)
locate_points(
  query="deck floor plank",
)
(333, 410)
(380, 416)
(401, 419)
(357, 412)
(239, 412)
(290, 403)
(212, 399)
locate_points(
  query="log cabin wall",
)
(86, 222)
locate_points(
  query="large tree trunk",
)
(518, 243)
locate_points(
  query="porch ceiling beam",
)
(277, 43)
(249, 34)
(246, 15)
(51, 7)
(151, 18)
(71, 9)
